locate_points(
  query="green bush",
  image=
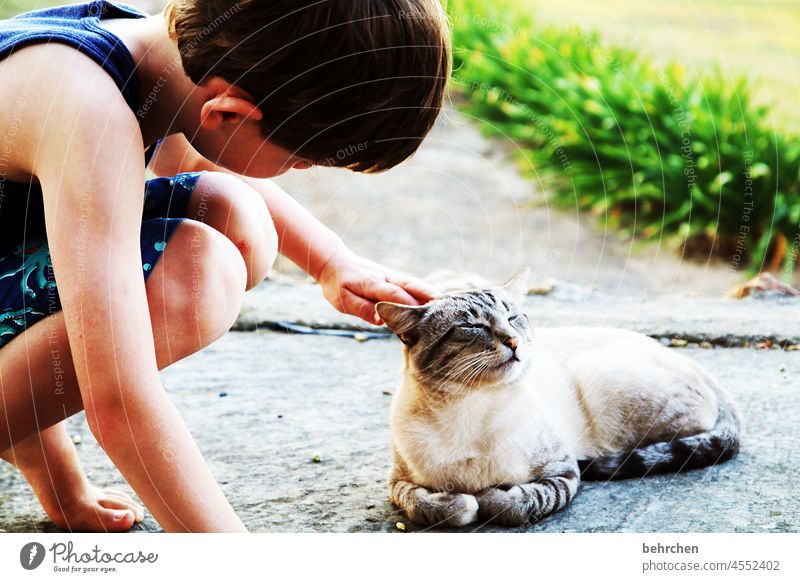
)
(654, 152)
(9, 8)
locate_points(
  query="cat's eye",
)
(516, 317)
(472, 325)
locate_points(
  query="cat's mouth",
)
(507, 363)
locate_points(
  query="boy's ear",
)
(226, 103)
(519, 285)
(402, 319)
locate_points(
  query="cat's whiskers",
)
(466, 365)
(452, 385)
(435, 363)
(472, 370)
(475, 373)
(461, 364)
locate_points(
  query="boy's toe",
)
(126, 501)
(120, 505)
(116, 520)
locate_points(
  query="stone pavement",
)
(295, 427)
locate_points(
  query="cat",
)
(496, 420)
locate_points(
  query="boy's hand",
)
(353, 285)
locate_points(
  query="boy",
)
(228, 94)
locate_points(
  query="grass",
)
(759, 38)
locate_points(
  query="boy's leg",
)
(226, 204)
(194, 292)
(230, 207)
(49, 462)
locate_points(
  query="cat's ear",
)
(519, 285)
(402, 319)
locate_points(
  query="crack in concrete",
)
(675, 340)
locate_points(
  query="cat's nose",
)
(511, 342)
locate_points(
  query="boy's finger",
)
(392, 292)
(360, 307)
(419, 289)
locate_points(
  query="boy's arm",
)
(351, 283)
(89, 162)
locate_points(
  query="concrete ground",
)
(265, 405)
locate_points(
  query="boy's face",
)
(245, 151)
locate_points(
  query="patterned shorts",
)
(28, 289)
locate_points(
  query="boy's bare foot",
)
(91, 509)
(50, 464)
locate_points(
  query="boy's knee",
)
(241, 214)
(204, 281)
(218, 282)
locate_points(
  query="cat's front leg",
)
(533, 501)
(432, 508)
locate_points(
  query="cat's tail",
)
(717, 445)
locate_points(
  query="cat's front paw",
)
(503, 506)
(464, 510)
(445, 509)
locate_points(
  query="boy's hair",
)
(348, 83)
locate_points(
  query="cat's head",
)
(465, 340)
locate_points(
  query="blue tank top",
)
(21, 207)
